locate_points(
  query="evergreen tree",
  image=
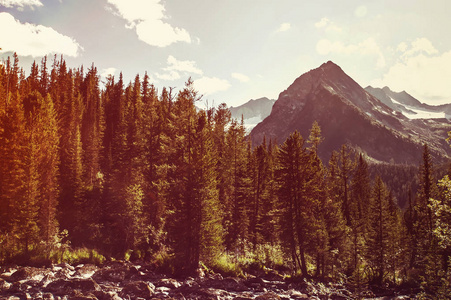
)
(18, 217)
(378, 238)
(236, 219)
(359, 208)
(46, 123)
(291, 160)
(194, 225)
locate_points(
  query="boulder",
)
(85, 271)
(102, 295)
(4, 285)
(268, 296)
(47, 296)
(62, 286)
(297, 295)
(228, 284)
(117, 272)
(28, 273)
(138, 289)
(169, 283)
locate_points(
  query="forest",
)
(116, 170)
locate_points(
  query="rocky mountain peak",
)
(368, 120)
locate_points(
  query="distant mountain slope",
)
(253, 111)
(408, 105)
(350, 115)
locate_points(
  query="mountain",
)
(253, 111)
(348, 114)
(408, 105)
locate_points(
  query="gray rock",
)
(62, 286)
(268, 296)
(169, 283)
(27, 273)
(138, 289)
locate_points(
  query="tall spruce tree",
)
(293, 225)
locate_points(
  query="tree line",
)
(128, 170)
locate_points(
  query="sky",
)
(237, 50)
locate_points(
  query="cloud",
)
(327, 25)
(361, 11)
(171, 76)
(187, 66)
(175, 67)
(368, 47)
(34, 40)
(210, 85)
(284, 27)
(420, 45)
(20, 3)
(421, 71)
(147, 18)
(108, 71)
(240, 77)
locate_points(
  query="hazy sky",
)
(236, 50)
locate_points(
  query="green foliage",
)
(226, 265)
(139, 175)
(78, 256)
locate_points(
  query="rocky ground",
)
(123, 280)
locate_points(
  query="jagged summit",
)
(348, 114)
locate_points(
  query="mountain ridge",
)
(348, 114)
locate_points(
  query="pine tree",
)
(291, 159)
(236, 215)
(378, 239)
(346, 167)
(18, 217)
(48, 168)
(424, 254)
(194, 222)
(359, 207)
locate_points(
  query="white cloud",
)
(175, 67)
(108, 71)
(187, 66)
(147, 17)
(402, 47)
(284, 27)
(20, 3)
(171, 76)
(210, 85)
(368, 47)
(420, 45)
(327, 25)
(421, 71)
(240, 77)
(361, 11)
(34, 40)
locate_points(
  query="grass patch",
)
(78, 256)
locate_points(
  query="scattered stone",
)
(244, 296)
(4, 285)
(62, 286)
(268, 296)
(27, 273)
(123, 280)
(102, 295)
(47, 296)
(169, 283)
(114, 275)
(137, 289)
(297, 295)
(85, 271)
